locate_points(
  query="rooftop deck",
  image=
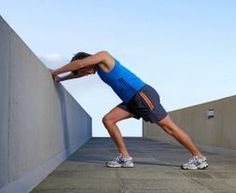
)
(156, 170)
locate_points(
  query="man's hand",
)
(55, 77)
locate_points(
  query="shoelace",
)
(118, 159)
(193, 160)
(196, 160)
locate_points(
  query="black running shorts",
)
(145, 104)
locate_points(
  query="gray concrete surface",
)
(4, 103)
(216, 134)
(41, 124)
(156, 171)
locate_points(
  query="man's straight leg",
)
(172, 129)
(197, 161)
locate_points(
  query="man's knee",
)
(168, 126)
(168, 130)
(108, 120)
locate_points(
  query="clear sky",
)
(185, 49)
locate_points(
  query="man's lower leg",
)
(115, 134)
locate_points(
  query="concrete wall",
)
(215, 134)
(40, 122)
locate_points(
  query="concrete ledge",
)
(211, 125)
(27, 182)
(41, 123)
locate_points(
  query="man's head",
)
(80, 56)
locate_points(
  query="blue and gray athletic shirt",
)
(122, 81)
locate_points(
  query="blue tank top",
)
(122, 81)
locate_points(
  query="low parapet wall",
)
(40, 122)
(211, 125)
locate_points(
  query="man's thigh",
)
(116, 114)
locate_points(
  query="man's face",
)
(88, 70)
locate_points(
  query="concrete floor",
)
(156, 171)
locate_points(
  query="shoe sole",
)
(130, 166)
(205, 166)
(120, 166)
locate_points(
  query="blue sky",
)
(185, 49)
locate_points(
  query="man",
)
(139, 100)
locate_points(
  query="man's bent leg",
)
(109, 121)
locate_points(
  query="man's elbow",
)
(105, 55)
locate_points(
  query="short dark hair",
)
(80, 56)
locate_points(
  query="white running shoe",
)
(195, 163)
(121, 162)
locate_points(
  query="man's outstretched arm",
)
(67, 77)
(100, 57)
(72, 75)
